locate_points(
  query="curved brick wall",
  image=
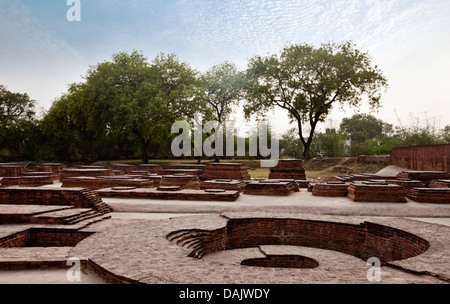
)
(363, 241)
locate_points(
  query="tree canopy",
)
(307, 82)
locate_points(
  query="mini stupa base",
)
(288, 169)
(406, 183)
(227, 184)
(330, 189)
(430, 195)
(182, 180)
(271, 188)
(76, 172)
(376, 192)
(233, 171)
(424, 176)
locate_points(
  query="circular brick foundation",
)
(363, 241)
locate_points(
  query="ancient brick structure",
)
(424, 176)
(151, 168)
(227, 184)
(26, 181)
(363, 241)
(271, 188)
(426, 158)
(50, 167)
(78, 197)
(182, 180)
(288, 169)
(406, 183)
(95, 183)
(440, 183)
(330, 189)
(430, 195)
(12, 170)
(226, 171)
(172, 194)
(376, 192)
(73, 172)
(43, 237)
(173, 171)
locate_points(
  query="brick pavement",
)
(140, 252)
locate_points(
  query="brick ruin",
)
(182, 180)
(170, 193)
(226, 171)
(272, 188)
(288, 169)
(364, 241)
(226, 184)
(47, 217)
(423, 158)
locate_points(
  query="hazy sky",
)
(41, 52)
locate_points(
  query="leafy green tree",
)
(307, 82)
(17, 122)
(361, 127)
(330, 142)
(221, 88)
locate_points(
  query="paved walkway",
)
(300, 202)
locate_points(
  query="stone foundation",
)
(271, 188)
(26, 181)
(96, 183)
(215, 171)
(175, 194)
(430, 195)
(78, 197)
(73, 172)
(330, 189)
(226, 184)
(184, 181)
(441, 183)
(376, 192)
(288, 169)
(424, 176)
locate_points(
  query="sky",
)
(42, 52)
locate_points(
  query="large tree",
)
(17, 122)
(221, 88)
(362, 127)
(307, 82)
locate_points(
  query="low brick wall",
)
(78, 197)
(40, 237)
(426, 158)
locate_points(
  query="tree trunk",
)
(144, 151)
(92, 153)
(307, 151)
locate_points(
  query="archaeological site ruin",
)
(215, 224)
